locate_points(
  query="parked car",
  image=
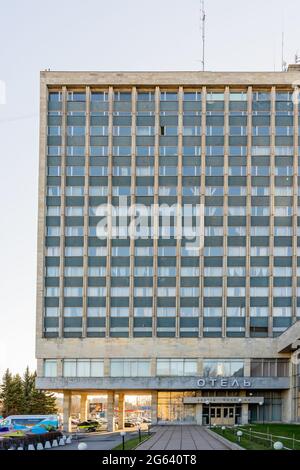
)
(147, 420)
(129, 424)
(89, 426)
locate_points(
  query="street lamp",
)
(209, 417)
(263, 410)
(123, 434)
(278, 445)
(139, 430)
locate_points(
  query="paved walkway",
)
(181, 438)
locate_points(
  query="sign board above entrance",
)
(222, 400)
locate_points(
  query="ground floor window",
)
(270, 410)
(170, 407)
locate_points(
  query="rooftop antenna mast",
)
(283, 62)
(202, 28)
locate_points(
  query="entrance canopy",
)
(289, 341)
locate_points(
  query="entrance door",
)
(222, 415)
(228, 416)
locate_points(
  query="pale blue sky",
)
(101, 35)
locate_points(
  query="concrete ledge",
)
(231, 445)
(154, 383)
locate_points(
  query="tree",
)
(28, 387)
(12, 394)
(19, 396)
(5, 392)
(39, 401)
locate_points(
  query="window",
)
(96, 291)
(143, 291)
(83, 368)
(73, 271)
(51, 311)
(212, 312)
(99, 130)
(143, 271)
(213, 292)
(166, 291)
(117, 271)
(97, 251)
(176, 367)
(76, 96)
(269, 368)
(76, 131)
(74, 191)
(192, 271)
(143, 251)
(52, 291)
(74, 231)
(52, 271)
(130, 368)
(53, 170)
(259, 312)
(71, 312)
(93, 312)
(119, 312)
(73, 291)
(53, 191)
(75, 170)
(189, 292)
(119, 292)
(53, 231)
(220, 368)
(189, 312)
(98, 191)
(74, 251)
(99, 96)
(50, 368)
(120, 251)
(166, 312)
(74, 211)
(143, 312)
(145, 130)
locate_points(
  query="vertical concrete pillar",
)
(245, 413)
(110, 411)
(247, 368)
(199, 412)
(60, 368)
(67, 411)
(154, 398)
(287, 408)
(121, 415)
(83, 406)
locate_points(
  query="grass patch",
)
(132, 443)
(274, 432)
(287, 430)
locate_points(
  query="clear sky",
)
(102, 35)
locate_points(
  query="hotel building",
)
(209, 332)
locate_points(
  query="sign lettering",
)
(233, 382)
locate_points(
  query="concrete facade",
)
(106, 348)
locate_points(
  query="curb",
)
(231, 445)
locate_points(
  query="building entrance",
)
(221, 415)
